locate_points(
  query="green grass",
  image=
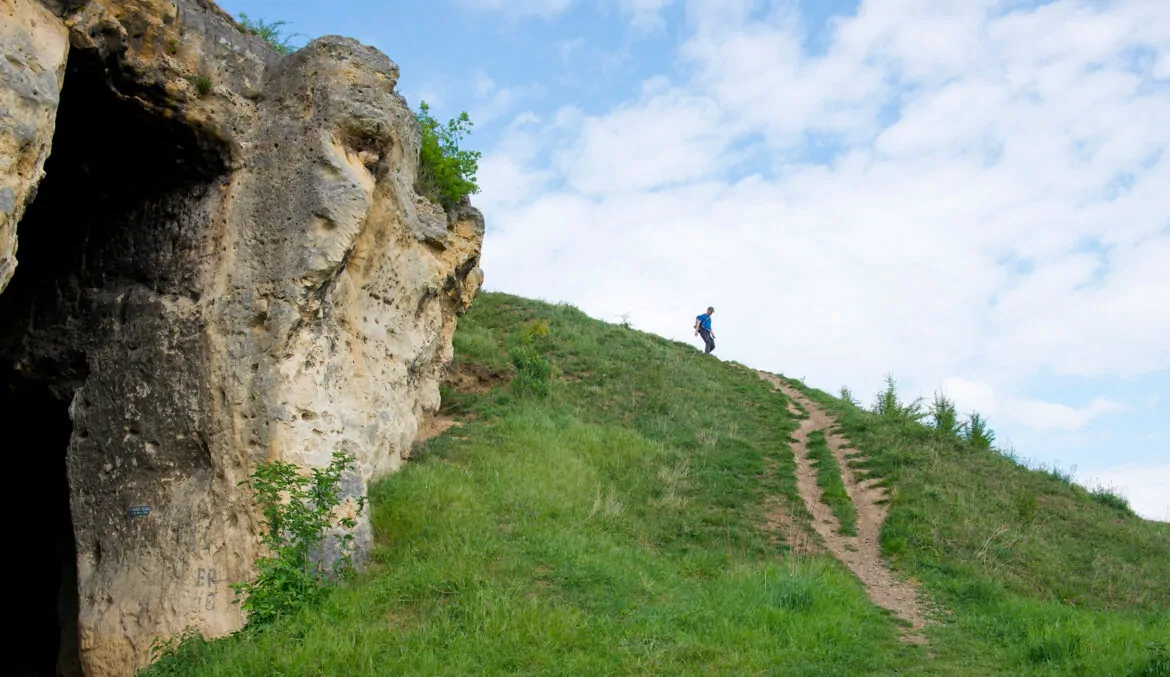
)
(833, 492)
(203, 85)
(618, 527)
(272, 32)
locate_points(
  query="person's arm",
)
(696, 326)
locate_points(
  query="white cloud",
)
(668, 138)
(538, 8)
(567, 49)
(493, 101)
(1146, 486)
(972, 396)
(645, 15)
(1051, 416)
(992, 203)
(980, 396)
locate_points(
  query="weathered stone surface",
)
(35, 45)
(218, 280)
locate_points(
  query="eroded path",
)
(861, 553)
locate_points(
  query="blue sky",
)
(969, 195)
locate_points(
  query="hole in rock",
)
(122, 207)
(35, 428)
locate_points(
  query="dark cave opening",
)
(35, 428)
(121, 205)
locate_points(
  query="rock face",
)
(226, 263)
(35, 44)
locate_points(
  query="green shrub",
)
(847, 396)
(533, 371)
(978, 433)
(446, 172)
(943, 414)
(271, 32)
(887, 404)
(536, 331)
(299, 513)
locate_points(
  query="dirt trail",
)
(861, 553)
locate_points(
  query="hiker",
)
(703, 328)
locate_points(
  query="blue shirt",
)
(704, 321)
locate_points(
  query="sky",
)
(970, 195)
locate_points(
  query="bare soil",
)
(473, 378)
(433, 425)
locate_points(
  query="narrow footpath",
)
(861, 553)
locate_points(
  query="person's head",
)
(710, 310)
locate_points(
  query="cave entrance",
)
(114, 211)
(35, 428)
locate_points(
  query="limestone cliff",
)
(225, 263)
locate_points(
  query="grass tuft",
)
(203, 85)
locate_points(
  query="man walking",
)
(703, 328)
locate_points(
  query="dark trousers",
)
(708, 339)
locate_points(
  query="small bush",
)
(847, 396)
(887, 404)
(536, 332)
(944, 415)
(533, 371)
(978, 433)
(1112, 498)
(299, 512)
(203, 85)
(446, 172)
(271, 32)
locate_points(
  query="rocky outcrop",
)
(226, 263)
(35, 45)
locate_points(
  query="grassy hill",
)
(634, 520)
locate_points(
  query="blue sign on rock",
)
(139, 511)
